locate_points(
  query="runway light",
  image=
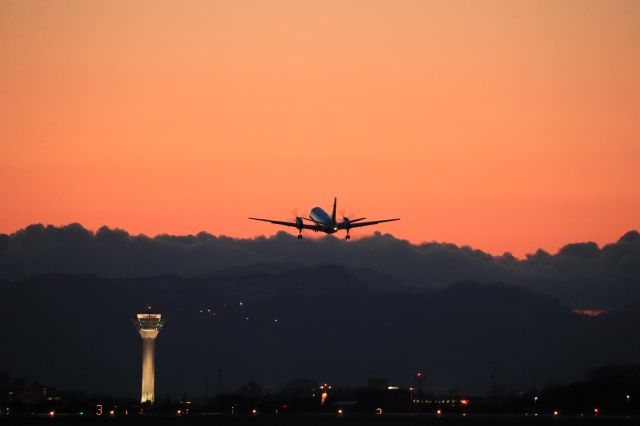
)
(323, 397)
(52, 413)
(178, 412)
(464, 402)
(112, 412)
(556, 413)
(254, 412)
(340, 412)
(596, 411)
(439, 412)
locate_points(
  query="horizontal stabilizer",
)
(373, 222)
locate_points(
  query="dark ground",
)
(319, 420)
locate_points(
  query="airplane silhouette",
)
(322, 222)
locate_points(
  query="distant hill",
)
(329, 322)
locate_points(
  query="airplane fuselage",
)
(323, 219)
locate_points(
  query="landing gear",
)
(300, 236)
(348, 237)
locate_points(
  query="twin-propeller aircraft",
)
(322, 222)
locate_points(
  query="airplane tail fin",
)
(333, 214)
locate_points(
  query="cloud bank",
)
(580, 274)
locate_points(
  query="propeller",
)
(347, 221)
(345, 218)
(298, 219)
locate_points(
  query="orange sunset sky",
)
(504, 125)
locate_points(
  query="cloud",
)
(580, 274)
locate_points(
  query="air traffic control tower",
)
(148, 325)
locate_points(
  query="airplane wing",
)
(292, 224)
(373, 222)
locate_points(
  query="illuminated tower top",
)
(149, 324)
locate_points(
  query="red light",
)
(596, 411)
(464, 402)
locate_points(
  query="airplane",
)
(322, 222)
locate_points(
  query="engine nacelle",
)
(298, 222)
